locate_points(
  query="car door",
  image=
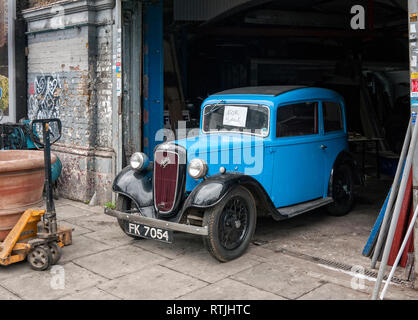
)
(298, 170)
(335, 133)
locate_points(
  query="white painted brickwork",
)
(70, 77)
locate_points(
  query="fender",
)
(136, 185)
(213, 189)
(344, 157)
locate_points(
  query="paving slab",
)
(203, 266)
(69, 211)
(80, 205)
(323, 273)
(14, 270)
(263, 254)
(77, 230)
(399, 293)
(184, 244)
(330, 291)
(344, 278)
(335, 238)
(90, 294)
(81, 247)
(119, 261)
(40, 285)
(7, 295)
(282, 280)
(112, 236)
(228, 289)
(153, 283)
(94, 221)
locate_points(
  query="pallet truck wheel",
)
(56, 252)
(40, 258)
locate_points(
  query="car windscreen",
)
(252, 119)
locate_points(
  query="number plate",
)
(144, 231)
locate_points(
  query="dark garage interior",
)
(212, 48)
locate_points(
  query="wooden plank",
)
(402, 225)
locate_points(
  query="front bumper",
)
(157, 223)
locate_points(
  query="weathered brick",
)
(70, 77)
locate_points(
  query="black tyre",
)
(124, 204)
(40, 258)
(231, 225)
(56, 252)
(342, 191)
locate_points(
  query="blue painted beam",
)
(368, 248)
(153, 95)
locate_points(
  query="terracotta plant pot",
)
(22, 177)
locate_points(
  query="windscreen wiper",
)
(216, 107)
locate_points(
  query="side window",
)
(299, 119)
(333, 120)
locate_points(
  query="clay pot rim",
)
(18, 165)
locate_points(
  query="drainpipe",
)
(11, 18)
(117, 92)
(412, 26)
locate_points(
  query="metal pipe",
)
(398, 257)
(396, 212)
(11, 17)
(392, 197)
(71, 26)
(116, 112)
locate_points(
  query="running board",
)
(295, 210)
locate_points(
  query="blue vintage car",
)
(278, 151)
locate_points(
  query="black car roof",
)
(265, 90)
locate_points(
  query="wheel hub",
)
(233, 224)
(342, 188)
(237, 224)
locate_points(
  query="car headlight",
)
(198, 168)
(139, 161)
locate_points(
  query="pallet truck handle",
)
(44, 122)
(50, 219)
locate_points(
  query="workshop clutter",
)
(391, 237)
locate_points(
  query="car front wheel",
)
(342, 191)
(124, 204)
(231, 225)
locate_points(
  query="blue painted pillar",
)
(153, 95)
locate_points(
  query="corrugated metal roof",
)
(202, 10)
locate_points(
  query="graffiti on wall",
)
(4, 95)
(45, 97)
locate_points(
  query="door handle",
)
(323, 147)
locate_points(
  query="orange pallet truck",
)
(37, 236)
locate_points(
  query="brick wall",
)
(70, 77)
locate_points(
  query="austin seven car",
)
(276, 151)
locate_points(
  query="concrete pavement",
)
(302, 258)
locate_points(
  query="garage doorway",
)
(210, 46)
